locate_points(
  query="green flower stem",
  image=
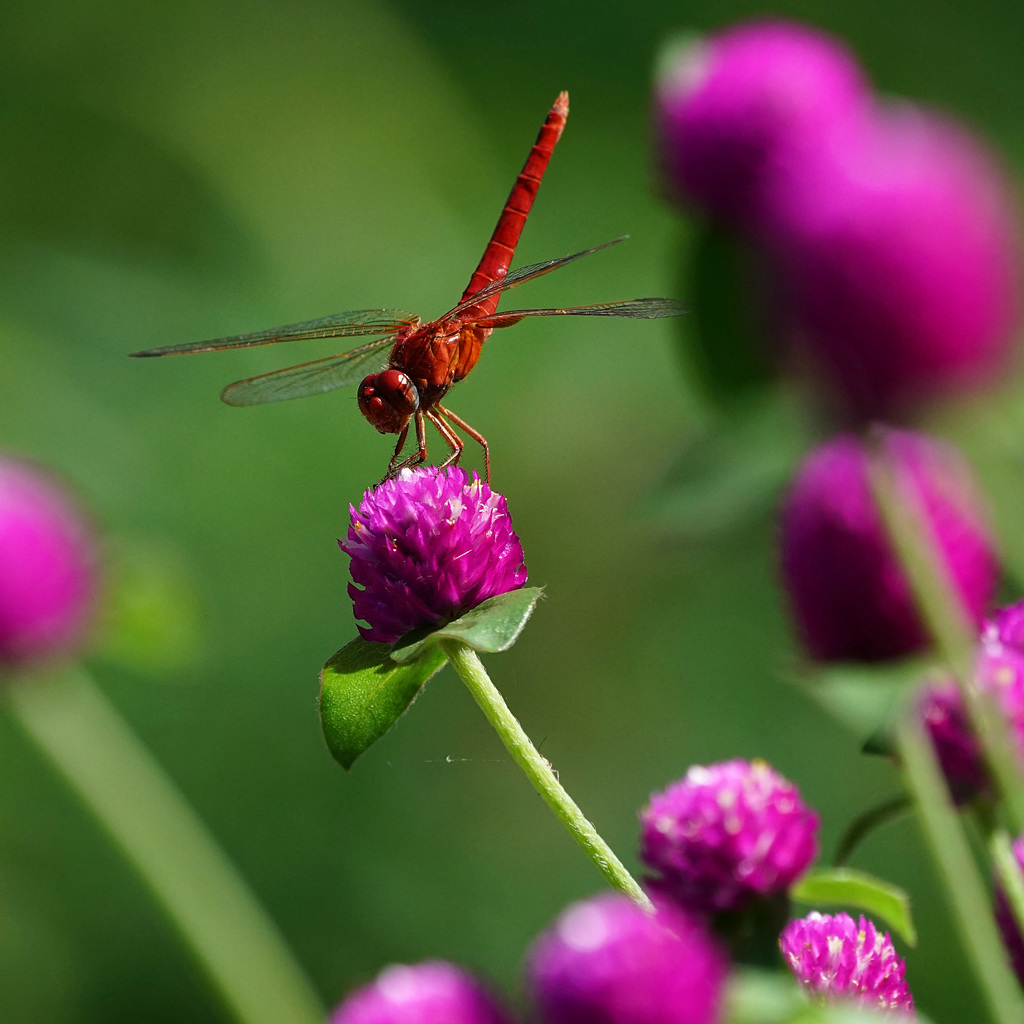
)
(469, 667)
(947, 622)
(204, 897)
(1009, 874)
(958, 871)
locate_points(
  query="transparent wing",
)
(308, 378)
(352, 324)
(640, 309)
(523, 274)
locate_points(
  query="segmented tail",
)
(500, 249)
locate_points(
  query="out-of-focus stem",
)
(1010, 874)
(215, 913)
(951, 629)
(958, 872)
(469, 667)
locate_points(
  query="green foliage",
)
(845, 887)
(366, 687)
(363, 692)
(493, 625)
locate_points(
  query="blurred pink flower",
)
(434, 992)
(735, 110)
(848, 594)
(898, 250)
(999, 671)
(48, 571)
(606, 961)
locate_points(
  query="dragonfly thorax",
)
(388, 399)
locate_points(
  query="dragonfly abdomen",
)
(497, 257)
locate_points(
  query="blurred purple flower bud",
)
(606, 961)
(726, 836)
(999, 670)
(956, 746)
(738, 109)
(847, 591)
(1007, 923)
(434, 992)
(837, 959)
(48, 571)
(899, 251)
(426, 547)
(1005, 630)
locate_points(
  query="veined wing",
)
(352, 324)
(640, 309)
(523, 274)
(312, 378)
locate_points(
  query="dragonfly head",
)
(388, 399)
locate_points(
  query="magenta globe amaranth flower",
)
(847, 591)
(1007, 922)
(426, 547)
(606, 961)
(434, 992)
(736, 110)
(899, 252)
(727, 836)
(836, 959)
(998, 671)
(48, 573)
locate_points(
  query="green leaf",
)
(856, 889)
(363, 693)
(493, 625)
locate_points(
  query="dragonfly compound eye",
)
(388, 399)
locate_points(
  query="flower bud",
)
(848, 593)
(434, 992)
(737, 109)
(898, 249)
(48, 574)
(426, 547)
(727, 836)
(606, 961)
(836, 959)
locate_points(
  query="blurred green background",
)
(173, 172)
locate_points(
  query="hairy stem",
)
(469, 667)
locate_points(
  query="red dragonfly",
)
(425, 359)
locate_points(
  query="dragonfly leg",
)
(398, 451)
(453, 439)
(475, 434)
(419, 456)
